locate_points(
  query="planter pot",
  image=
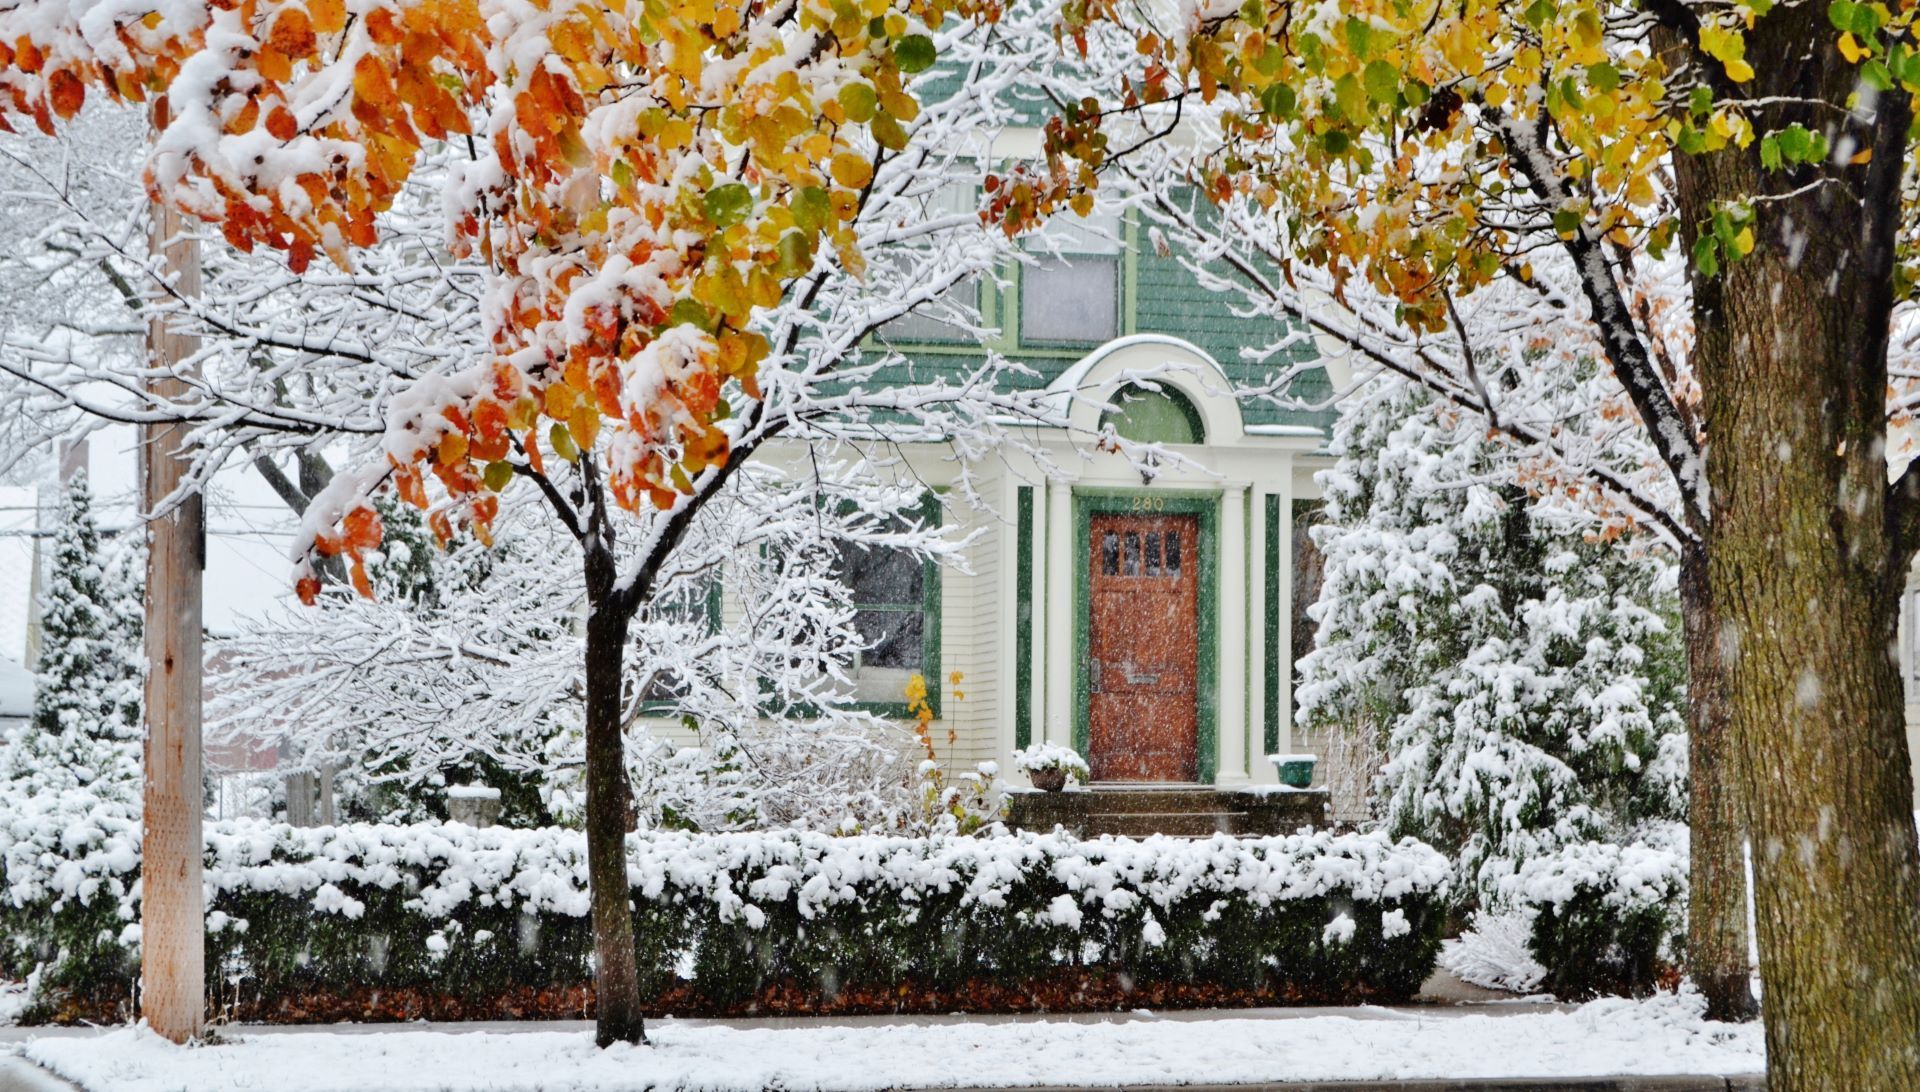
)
(1048, 780)
(1296, 771)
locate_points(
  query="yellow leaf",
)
(1739, 71)
(851, 171)
(1850, 49)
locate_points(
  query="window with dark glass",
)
(894, 594)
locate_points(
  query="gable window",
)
(1071, 291)
(1156, 414)
(896, 599)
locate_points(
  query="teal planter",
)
(1296, 771)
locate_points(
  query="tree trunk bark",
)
(1804, 574)
(616, 978)
(1717, 909)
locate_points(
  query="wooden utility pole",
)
(172, 911)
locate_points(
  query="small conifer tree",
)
(85, 731)
(1522, 676)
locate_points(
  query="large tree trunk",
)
(616, 979)
(1804, 573)
(1717, 912)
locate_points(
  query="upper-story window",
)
(1073, 295)
(935, 320)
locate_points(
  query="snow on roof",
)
(16, 689)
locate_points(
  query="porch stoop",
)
(1180, 811)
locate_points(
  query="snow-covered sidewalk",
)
(1662, 1036)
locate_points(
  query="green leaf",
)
(690, 312)
(795, 252)
(1840, 14)
(1797, 145)
(1875, 75)
(1700, 101)
(728, 204)
(1350, 99)
(1278, 101)
(622, 174)
(1603, 77)
(1770, 152)
(887, 130)
(1541, 12)
(812, 210)
(1566, 222)
(1359, 35)
(859, 101)
(1336, 141)
(498, 474)
(914, 53)
(1382, 81)
(1706, 257)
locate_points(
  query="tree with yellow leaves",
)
(1429, 153)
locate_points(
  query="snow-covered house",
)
(1146, 618)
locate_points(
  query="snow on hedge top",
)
(444, 866)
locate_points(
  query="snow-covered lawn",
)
(1662, 1036)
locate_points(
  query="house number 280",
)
(1146, 504)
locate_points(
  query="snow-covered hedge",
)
(1605, 915)
(467, 912)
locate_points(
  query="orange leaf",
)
(292, 33)
(67, 93)
(328, 15)
(308, 589)
(281, 123)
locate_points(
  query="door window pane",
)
(1173, 553)
(1131, 566)
(1153, 553)
(1109, 553)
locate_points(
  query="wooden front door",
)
(1144, 648)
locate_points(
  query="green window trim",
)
(1023, 619)
(930, 630)
(1088, 503)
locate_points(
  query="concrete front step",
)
(1184, 810)
(1179, 824)
(1156, 801)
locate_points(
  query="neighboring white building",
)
(16, 697)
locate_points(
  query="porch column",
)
(1260, 686)
(1060, 656)
(1231, 634)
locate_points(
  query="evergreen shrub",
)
(466, 913)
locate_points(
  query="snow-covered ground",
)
(1662, 1036)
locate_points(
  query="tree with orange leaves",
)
(675, 205)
